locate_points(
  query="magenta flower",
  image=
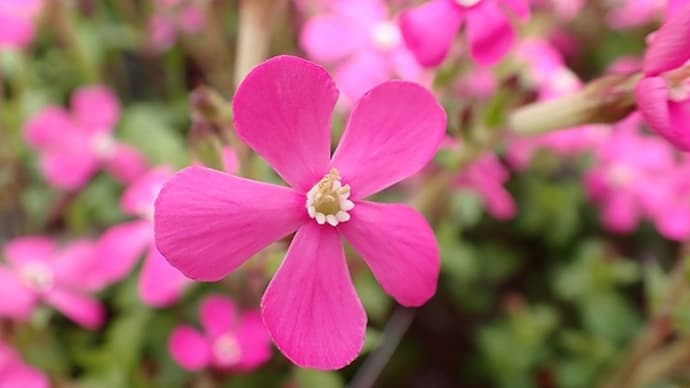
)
(37, 272)
(15, 373)
(74, 146)
(119, 248)
(364, 43)
(663, 96)
(208, 223)
(429, 30)
(486, 177)
(17, 28)
(231, 341)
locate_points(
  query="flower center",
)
(37, 277)
(103, 145)
(328, 200)
(385, 36)
(468, 3)
(227, 350)
(620, 175)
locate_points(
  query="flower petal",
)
(429, 30)
(81, 309)
(120, 247)
(282, 110)
(670, 45)
(29, 248)
(48, 128)
(361, 73)
(207, 223)
(218, 315)
(400, 248)
(68, 169)
(18, 301)
(254, 341)
(189, 348)
(489, 33)
(96, 108)
(126, 164)
(310, 307)
(78, 266)
(393, 131)
(328, 38)
(521, 7)
(160, 284)
(668, 118)
(139, 197)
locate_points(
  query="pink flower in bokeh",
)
(17, 28)
(486, 176)
(37, 272)
(14, 373)
(74, 146)
(364, 44)
(633, 13)
(663, 96)
(172, 17)
(232, 341)
(429, 29)
(119, 248)
(208, 223)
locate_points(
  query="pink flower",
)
(429, 30)
(74, 146)
(119, 248)
(633, 13)
(364, 43)
(663, 96)
(208, 223)
(17, 22)
(37, 272)
(15, 373)
(174, 17)
(487, 176)
(231, 342)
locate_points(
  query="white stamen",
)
(37, 276)
(227, 350)
(103, 145)
(385, 36)
(327, 201)
(467, 3)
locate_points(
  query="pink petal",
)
(139, 197)
(521, 7)
(81, 309)
(48, 128)
(18, 301)
(208, 223)
(361, 73)
(670, 47)
(393, 131)
(189, 348)
(160, 284)
(254, 342)
(15, 32)
(282, 110)
(498, 202)
(30, 248)
(674, 222)
(120, 247)
(328, 38)
(127, 164)
(96, 108)
(669, 119)
(620, 213)
(429, 30)
(310, 307)
(68, 169)
(15, 373)
(218, 315)
(231, 163)
(78, 266)
(400, 248)
(489, 33)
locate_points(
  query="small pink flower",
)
(429, 30)
(74, 146)
(663, 96)
(17, 28)
(487, 176)
(208, 223)
(119, 248)
(14, 373)
(37, 272)
(173, 17)
(231, 341)
(364, 43)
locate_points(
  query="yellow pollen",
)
(327, 201)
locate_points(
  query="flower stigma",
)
(327, 201)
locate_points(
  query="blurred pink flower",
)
(119, 248)
(208, 223)
(663, 96)
(364, 44)
(17, 28)
(486, 176)
(73, 146)
(429, 29)
(232, 341)
(634, 13)
(172, 17)
(37, 272)
(14, 373)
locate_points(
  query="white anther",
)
(327, 201)
(467, 3)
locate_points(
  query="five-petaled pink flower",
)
(231, 341)
(208, 223)
(74, 146)
(663, 96)
(37, 271)
(17, 22)
(429, 30)
(15, 373)
(119, 248)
